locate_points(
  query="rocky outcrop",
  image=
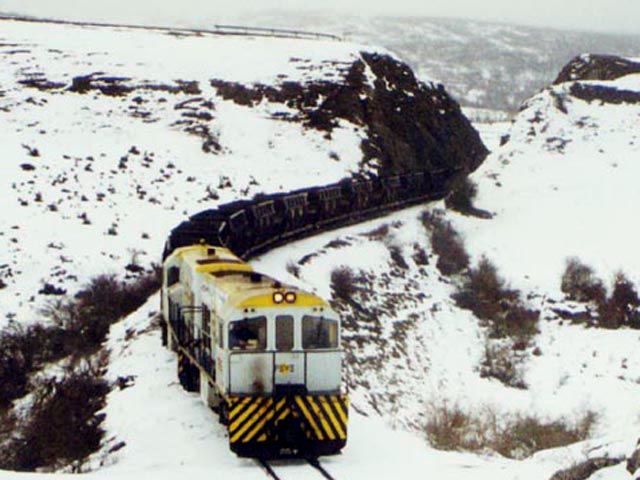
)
(411, 126)
(604, 94)
(597, 67)
(633, 462)
(584, 470)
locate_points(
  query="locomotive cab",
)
(272, 350)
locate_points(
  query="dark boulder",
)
(410, 125)
(597, 67)
(633, 462)
(584, 470)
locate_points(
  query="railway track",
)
(313, 462)
(237, 30)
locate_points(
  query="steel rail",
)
(270, 471)
(315, 463)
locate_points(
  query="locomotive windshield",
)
(248, 334)
(319, 332)
(284, 333)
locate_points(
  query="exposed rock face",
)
(597, 67)
(604, 94)
(584, 470)
(411, 126)
(633, 462)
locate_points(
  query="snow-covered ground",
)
(170, 432)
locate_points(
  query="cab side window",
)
(248, 334)
(173, 276)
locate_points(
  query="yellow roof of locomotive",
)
(232, 276)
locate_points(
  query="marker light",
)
(278, 297)
(290, 297)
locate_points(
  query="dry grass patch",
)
(452, 428)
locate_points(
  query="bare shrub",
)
(343, 283)
(462, 196)
(105, 300)
(500, 362)
(621, 308)
(396, 256)
(24, 350)
(579, 282)
(446, 243)
(8, 423)
(419, 256)
(293, 268)
(63, 425)
(452, 428)
(378, 233)
(76, 327)
(485, 293)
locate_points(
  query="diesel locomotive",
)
(266, 356)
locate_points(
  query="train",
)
(266, 356)
(250, 227)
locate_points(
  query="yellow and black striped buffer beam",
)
(327, 415)
(257, 419)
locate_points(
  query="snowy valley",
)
(106, 144)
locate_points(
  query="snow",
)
(551, 201)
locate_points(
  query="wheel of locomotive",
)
(183, 370)
(223, 413)
(194, 378)
(164, 333)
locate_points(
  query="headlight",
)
(278, 297)
(290, 297)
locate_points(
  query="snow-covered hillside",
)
(110, 137)
(483, 64)
(417, 354)
(93, 181)
(564, 184)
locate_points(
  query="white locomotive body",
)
(265, 355)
